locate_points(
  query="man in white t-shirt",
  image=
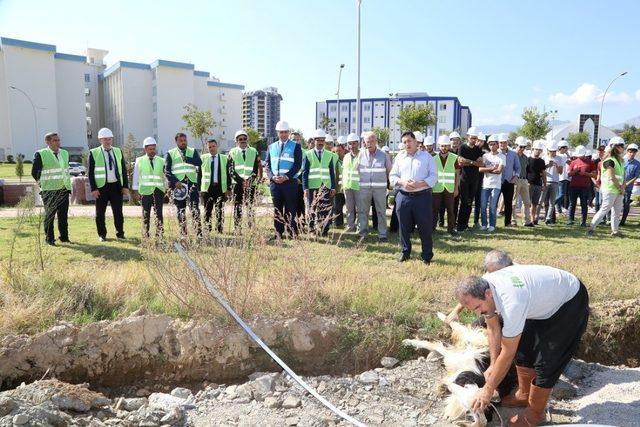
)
(494, 162)
(554, 166)
(562, 199)
(544, 312)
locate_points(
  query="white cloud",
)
(588, 94)
(638, 94)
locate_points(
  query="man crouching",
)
(544, 312)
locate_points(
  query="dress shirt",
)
(110, 165)
(419, 167)
(512, 165)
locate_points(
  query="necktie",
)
(244, 157)
(110, 159)
(151, 161)
(319, 155)
(213, 169)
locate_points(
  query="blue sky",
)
(496, 56)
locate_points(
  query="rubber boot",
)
(534, 412)
(521, 397)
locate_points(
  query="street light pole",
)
(358, 129)
(33, 106)
(602, 105)
(338, 96)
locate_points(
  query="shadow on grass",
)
(108, 252)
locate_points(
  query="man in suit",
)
(148, 181)
(216, 181)
(109, 182)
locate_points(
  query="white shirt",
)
(419, 167)
(214, 167)
(111, 173)
(552, 172)
(564, 176)
(136, 175)
(493, 180)
(523, 292)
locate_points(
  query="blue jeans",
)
(489, 197)
(626, 206)
(563, 196)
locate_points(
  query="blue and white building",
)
(383, 113)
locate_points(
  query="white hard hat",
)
(444, 140)
(282, 126)
(521, 141)
(329, 138)
(481, 136)
(419, 136)
(428, 140)
(363, 134)
(580, 151)
(538, 144)
(105, 133)
(240, 132)
(472, 131)
(632, 147)
(616, 140)
(319, 133)
(385, 149)
(587, 152)
(342, 140)
(149, 141)
(454, 134)
(503, 137)
(552, 145)
(493, 137)
(352, 137)
(563, 143)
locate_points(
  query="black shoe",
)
(617, 234)
(51, 243)
(589, 232)
(569, 222)
(425, 262)
(621, 224)
(102, 239)
(64, 240)
(403, 257)
(383, 239)
(583, 224)
(535, 222)
(121, 237)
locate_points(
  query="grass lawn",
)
(88, 281)
(8, 171)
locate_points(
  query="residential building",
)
(261, 111)
(384, 112)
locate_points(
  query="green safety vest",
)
(150, 178)
(338, 171)
(206, 172)
(180, 168)
(319, 170)
(607, 185)
(100, 169)
(350, 178)
(446, 174)
(55, 173)
(243, 167)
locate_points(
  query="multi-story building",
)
(383, 112)
(261, 111)
(43, 90)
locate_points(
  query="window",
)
(155, 123)
(155, 91)
(367, 107)
(153, 74)
(442, 119)
(344, 107)
(443, 107)
(87, 91)
(332, 108)
(87, 78)
(367, 120)
(155, 107)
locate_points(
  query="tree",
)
(326, 124)
(256, 140)
(412, 118)
(129, 154)
(512, 137)
(579, 138)
(630, 134)
(536, 123)
(382, 134)
(198, 123)
(20, 166)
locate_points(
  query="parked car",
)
(76, 169)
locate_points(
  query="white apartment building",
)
(383, 112)
(261, 111)
(43, 90)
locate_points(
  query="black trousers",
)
(548, 345)
(583, 194)
(507, 196)
(111, 194)
(477, 200)
(56, 202)
(393, 222)
(442, 202)
(214, 198)
(193, 198)
(338, 209)
(285, 207)
(626, 207)
(243, 202)
(414, 209)
(149, 201)
(320, 206)
(468, 189)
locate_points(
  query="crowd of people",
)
(315, 184)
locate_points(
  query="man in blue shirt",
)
(510, 173)
(631, 172)
(284, 160)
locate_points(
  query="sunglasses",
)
(242, 139)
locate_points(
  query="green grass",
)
(87, 281)
(8, 171)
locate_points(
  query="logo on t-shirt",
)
(515, 280)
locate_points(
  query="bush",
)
(10, 159)
(27, 162)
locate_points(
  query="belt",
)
(414, 193)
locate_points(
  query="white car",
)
(76, 169)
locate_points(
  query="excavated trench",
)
(155, 349)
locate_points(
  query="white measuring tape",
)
(258, 341)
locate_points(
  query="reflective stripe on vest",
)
(180, 168)
(206, 172)
(150, 178)
(243, 167)
(100, 169)
(374, 175)
(350, 176)
(607, 184)
(319, 173)
(446, 174)
(281, 162)
(55, 173)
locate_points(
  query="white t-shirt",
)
(523, 292)
(493, 180)
(552, 172)
(564, 176)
